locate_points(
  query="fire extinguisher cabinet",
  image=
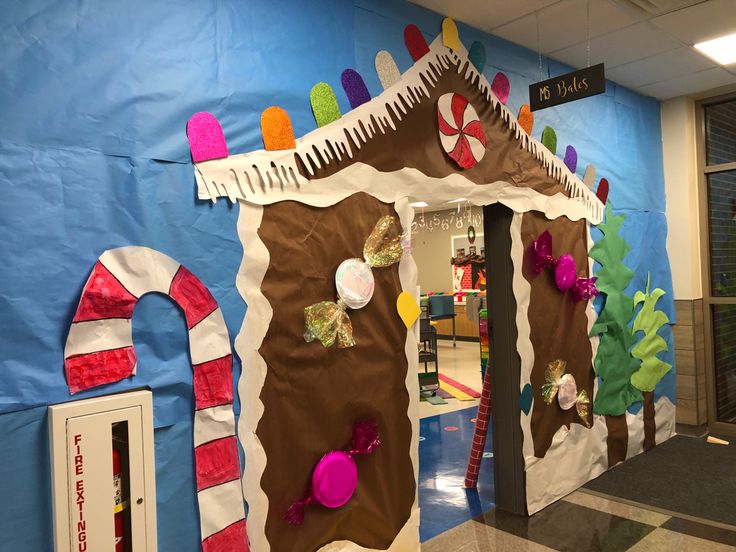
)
(103, 474)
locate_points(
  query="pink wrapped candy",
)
(335, 476)
(566, 278)
(565, 275)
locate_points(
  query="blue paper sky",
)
(93, 155)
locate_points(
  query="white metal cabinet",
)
(81, 436)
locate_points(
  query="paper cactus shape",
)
(613, 362)
(649, 321)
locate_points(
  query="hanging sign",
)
(567, 88)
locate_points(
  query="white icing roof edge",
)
(255, 175)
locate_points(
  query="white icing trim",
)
(257, 177)
(247, 343)
(253, 375)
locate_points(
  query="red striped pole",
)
(481, 432)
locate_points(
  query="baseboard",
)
(460, 338)
(691, 430)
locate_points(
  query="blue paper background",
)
(93, 155)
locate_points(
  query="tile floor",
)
(583, 522)
(461, 363)
(454, 519)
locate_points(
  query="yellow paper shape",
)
(408, 308)
(450, 38)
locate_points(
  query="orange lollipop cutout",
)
(276, 129)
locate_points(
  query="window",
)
(720, 182)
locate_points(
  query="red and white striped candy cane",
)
(461, 131)
(99, 350)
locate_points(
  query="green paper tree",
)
(649, 321)
(613, 362)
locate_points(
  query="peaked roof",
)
(398, 129)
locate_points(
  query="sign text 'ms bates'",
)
(567, 88)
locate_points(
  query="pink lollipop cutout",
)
(206, 139)
(501, 87)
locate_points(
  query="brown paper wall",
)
(312, 395)
(559, 325)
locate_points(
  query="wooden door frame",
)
(504, 363)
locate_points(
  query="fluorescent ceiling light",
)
(458, 200)
(419, 204)
(721, 50)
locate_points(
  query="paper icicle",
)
(563, 386)
(335, 476)
(328, 321)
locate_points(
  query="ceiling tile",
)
(564, 24)
(658, 68)
(701, 22)
(623, 46)
(689, 84)
(484, 14)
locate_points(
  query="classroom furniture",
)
(442, 307)
(429, 379)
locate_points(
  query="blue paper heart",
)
(525, 399)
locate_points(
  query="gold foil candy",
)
(328, 321)
(382, 248)
(583, 407)
(552, 375)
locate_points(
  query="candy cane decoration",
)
(461, 131)
(481, 432)
(99, 350)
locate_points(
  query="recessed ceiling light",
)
(721, 50)
(419, 204)
(458, 200)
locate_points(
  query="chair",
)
(442, 307)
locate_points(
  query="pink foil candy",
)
(565, 274)
(335, 476)
(542, 252)
(334, 479)
(585, 289)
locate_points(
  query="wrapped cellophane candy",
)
(328, 321)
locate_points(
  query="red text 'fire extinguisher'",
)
(119, 505)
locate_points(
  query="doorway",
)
(462, 252)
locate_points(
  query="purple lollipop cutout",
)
(355, 88)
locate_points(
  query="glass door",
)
(720, 265)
